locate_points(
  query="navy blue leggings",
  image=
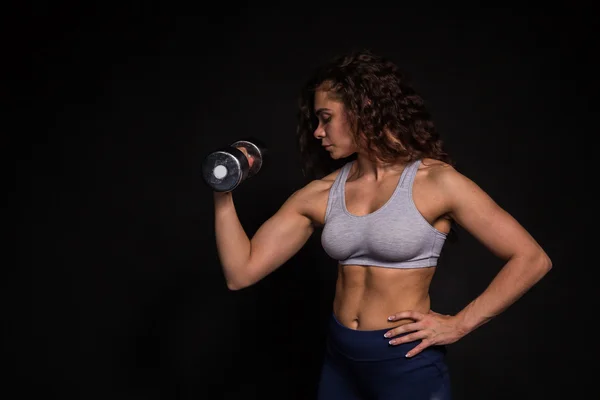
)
(362, 365)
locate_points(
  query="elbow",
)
(247, 276)
(546, 262)
(239, 282)
(236, 284)
(542, 262)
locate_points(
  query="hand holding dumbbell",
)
(226, 168)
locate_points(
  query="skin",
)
(371, 297)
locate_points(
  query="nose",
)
(319, 133)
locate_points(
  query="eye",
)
(325, 118)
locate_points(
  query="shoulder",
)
(439, 173)
(444, 180)
(317, 186)
(311, 199)
(454, 188)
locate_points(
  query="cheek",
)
(346, 139)
(341, 134)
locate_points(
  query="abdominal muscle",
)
(366, 296)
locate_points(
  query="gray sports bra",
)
(394, 236)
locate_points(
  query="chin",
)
(338, 155)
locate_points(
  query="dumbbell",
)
(226, 168)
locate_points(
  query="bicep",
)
(279, 238)
(473, 209)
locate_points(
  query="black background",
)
(113, 289)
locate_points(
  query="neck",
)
(375, 170)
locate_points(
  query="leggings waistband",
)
(371, 345)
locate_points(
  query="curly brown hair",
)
(388, 118)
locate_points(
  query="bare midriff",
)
(366, 296)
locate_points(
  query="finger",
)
(406, 314)
(415, 326)
(411, 337)
(248, 155)
(419, 348)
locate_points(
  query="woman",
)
(385, 194)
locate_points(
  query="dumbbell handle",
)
(226, 168)
(255, 151)
(249, 157)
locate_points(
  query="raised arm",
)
(246, 261)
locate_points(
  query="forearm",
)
(516, 277)
(233, 244)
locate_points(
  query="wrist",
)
(222, 200)
(462, 325)
(221, 195)
(466, 322)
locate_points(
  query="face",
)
(333, 130)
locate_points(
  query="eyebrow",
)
(321, 110)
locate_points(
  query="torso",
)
(366, 295)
